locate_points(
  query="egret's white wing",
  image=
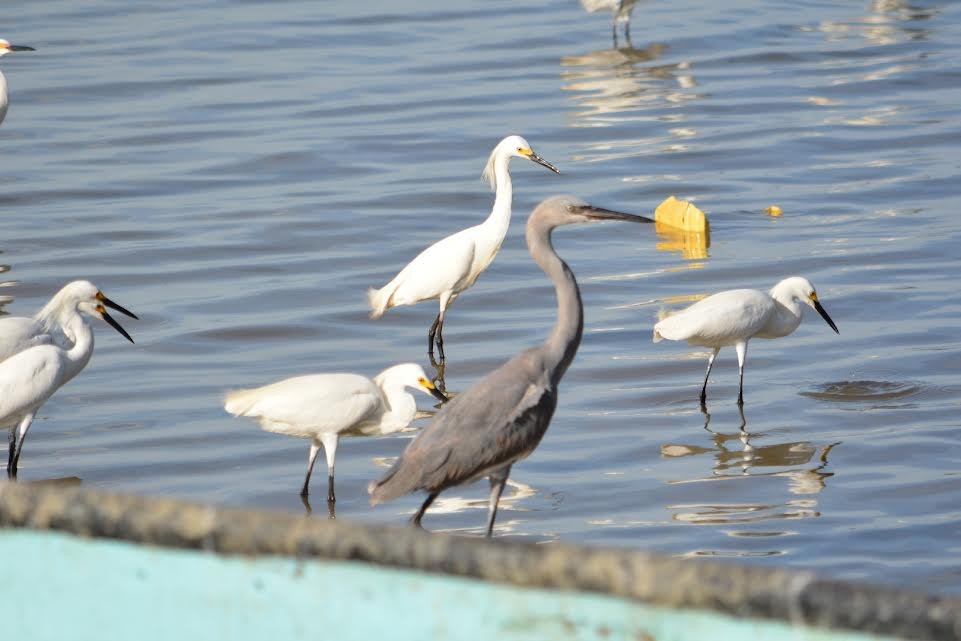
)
(18, 333)
(719, 319)
(308, 405)
(444, 266)
(27, 380)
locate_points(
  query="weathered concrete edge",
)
(787, 595)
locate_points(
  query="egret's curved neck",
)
(79, 332)
(561, 345)
(403, 407)
(787, 313)
(57, 311)
(500, 216)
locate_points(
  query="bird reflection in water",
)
(738, 455)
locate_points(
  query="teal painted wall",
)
(58, 587)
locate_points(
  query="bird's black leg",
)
(498, 479)
(314, 448)
(331, 498)
(430, 338)
(423, 508)
(11, 470)
(710, 364)
(440, 339)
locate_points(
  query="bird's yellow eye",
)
(813, 296)
(525, 152)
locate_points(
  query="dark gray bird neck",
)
(561, 346)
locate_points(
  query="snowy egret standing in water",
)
(501, 419)
(39, 355)
(734, 317)
(451, 265)
(621, 11)
(5, 48)
(323, 406)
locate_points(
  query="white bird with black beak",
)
(451, 265)
(5, 48)
(321, 407)
(39, 355)
(736, 316)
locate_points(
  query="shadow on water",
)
(743, 455)
(874, 394)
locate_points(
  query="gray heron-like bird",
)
(501, 419)
(5, 48)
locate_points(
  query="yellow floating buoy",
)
(682, 227)
(773, 210)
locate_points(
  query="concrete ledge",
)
(745, 591)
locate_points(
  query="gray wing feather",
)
(499, 420)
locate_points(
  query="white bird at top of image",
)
(502, 418)
(39, 355)
(451, 265)
(620, 10)
(734, 317)
(323, 406)
(5, 48)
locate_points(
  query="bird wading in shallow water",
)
(451, 265)
(39, 355)
(736, 316)
(321, 407)
(501, 419)
(620, 10)
(5, 48)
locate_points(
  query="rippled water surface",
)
(238, 173)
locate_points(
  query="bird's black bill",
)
(541, 161)
(21, 48)
(439, 395)
(110, 321)
(112, 305)
(599, 213)
(824, 315)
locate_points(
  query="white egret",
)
(321, 407)
(502, 418)
(620, 10)
(5, 48)
(451, 265)
(39, 355)
(734, 317)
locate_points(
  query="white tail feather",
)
(379, 300)
(238, 402)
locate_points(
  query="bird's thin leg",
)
(430, 338)
(329, 439)
(423, 508)
(498, 479)
(12, 448)
(710, 364)
(314, 448)
(627, 32)
(445, 300)
(614, 32)
(25, 424)
(741, 357)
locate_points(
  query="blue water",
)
(238, 173)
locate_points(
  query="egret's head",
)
(410, 375)
(6, 47)
(566, 210)
(84, 296)
(801, 289)
(513, 147)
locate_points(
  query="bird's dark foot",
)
(330, 490)
(331, 510)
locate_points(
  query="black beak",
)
(541, 161)
(110, 321)
(112, 305)
(439, 395)
(21, 48)
(824, 315)
(599, 213)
